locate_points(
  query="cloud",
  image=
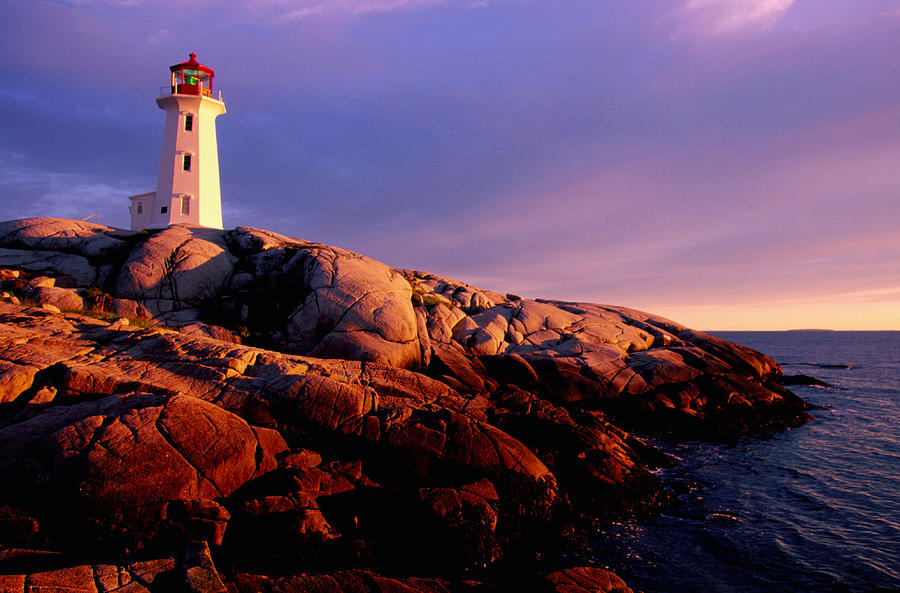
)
(722, 17)
(278, 10)
(98, 3)
(888, 293)
(63, 194)
(290, 10)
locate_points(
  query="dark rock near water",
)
(253, 412)
(803, 380)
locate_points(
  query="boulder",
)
(132, 452)
(59, 234)
(441, 320)
(15, 379)
(8, 296)
(55, 263)
(586, 579)
(40, 282)
(241, 280)
(65, 299)
(470, 299)
(354, 308)
(450, 361)
(129, 308)
(183, 265)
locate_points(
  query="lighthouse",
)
(187, 186)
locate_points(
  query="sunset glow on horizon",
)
(728, 164)
(787, 315)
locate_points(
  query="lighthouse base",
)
(148, 211)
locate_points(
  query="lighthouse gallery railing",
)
(189, 89)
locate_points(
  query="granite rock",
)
(63, 298)
(586, 579)
(182, 265)
(355, 308)
(69, 236)
(365, 416)
(75, 267)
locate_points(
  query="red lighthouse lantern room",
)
(192, 78)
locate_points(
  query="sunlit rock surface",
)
(267, 413)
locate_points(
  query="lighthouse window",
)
(187, 162)
(186, 205)
(140, 207)
(164, 209)
(188, 122)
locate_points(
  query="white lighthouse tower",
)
(187, 187)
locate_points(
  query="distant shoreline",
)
(761, 331)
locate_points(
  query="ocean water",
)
(811, 509)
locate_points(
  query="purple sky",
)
(731, 164)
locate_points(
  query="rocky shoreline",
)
(200, 410)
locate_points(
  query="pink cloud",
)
(722, 17)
